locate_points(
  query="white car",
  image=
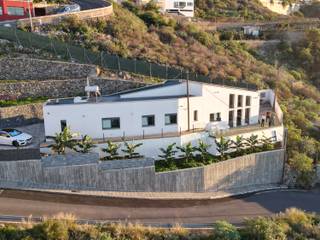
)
(70, 9)
(14, 137)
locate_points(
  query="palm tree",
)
(187, 151)
(223, 146)
(238, 144)
(203, 150)
(266, 143)
(130, 149)
(111, 150)
(85, 145)
(168, 153)
(63, 140)
(252, 143)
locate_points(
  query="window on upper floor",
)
(190, 4)
(215, 117)
(148, 120)
(15, 11)
(110, 123)
(248, 101)
(231, 101)
(179, 4)
(240, 100)
(171, 118)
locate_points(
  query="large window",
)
(231, 101)
(15, 11)
(180, 4)
(240, 100)
(171, 118)
(247, 116)
(110, 123)
(190, 4)
(248, 101)
(147, 120)
(215, 117)
(231, 118)
(195, 115)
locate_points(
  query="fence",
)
(113, 62)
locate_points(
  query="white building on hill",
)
(168, 112)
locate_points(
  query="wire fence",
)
(108, 61)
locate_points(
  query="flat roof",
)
(108, 98)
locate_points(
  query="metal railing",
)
(106, 60)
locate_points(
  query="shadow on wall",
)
(18, 121)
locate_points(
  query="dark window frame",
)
(111, 119)
(231, 100)
(171, 115)
(240, 101)
(195, 116)
(149, 116)
(248, 101)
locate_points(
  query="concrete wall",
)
(62, 88)
(36, 69)
(86, 172)
(82, 15)
(20, 115)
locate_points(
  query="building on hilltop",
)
(177, 110)
(15, 9)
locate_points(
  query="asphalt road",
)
(234, 210)
(90, 4)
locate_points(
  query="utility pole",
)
(30, 15)
(188, 101)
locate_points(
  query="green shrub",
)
(263, 229)
(225, 231)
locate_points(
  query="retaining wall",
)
(37, 69)
(82, 15)
(21, 115)
(87, 173)
(62, 88)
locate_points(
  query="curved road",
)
(201, 212)
(91, 4)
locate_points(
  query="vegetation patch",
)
(292, 224)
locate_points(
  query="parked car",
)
(69, 9)
(14, 137)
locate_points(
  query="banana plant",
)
(252, 143)
(111, 150)
(187, 151)
(203, 150)
(130, 149)
(238, 144)
(64, 140)
(266, 143)
(223, 146)
(168, 153)
(85, 145)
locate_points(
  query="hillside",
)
(226, 9)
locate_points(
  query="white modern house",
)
(180, 7)
(175, 111)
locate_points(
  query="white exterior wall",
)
(86, 119)
(169, 5)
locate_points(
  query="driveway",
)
(201, 212)
(37, 133)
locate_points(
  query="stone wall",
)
(21, 115)
(36, 69)
(62, 88)
(87, 173)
